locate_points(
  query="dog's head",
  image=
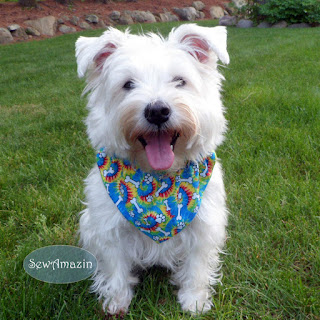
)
(155, 101)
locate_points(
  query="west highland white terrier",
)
(156, 195)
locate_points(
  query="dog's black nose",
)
(157, 112)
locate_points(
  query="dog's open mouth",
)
(159, 148)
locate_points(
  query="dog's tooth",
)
(171, 147)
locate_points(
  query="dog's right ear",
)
(85, 48)
(92, 53)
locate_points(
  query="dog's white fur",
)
(116, 119)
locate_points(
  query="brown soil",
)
(13, 13)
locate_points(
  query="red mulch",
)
(13, 13)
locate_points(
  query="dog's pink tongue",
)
(159, 152)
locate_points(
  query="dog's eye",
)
(180, 82)
(129, 85)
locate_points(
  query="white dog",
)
(156, 196)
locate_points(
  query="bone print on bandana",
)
(159, 205)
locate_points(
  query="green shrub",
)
(28, 3)
(292, 11)
(66, 2)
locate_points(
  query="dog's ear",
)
(200, 42)
(91, 53)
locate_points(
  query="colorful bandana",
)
(160, 205)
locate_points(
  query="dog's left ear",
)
(200, 42)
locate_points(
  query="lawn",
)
(271, 159)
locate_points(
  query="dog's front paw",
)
(195, 301)
(116, 300)
(117, 304)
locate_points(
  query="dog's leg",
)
(200, 268)
(113, 281)
(194, 278)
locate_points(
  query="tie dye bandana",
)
(159, 205)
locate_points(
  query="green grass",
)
(272, 174)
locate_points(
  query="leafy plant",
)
(292, 11)
(28, 3)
